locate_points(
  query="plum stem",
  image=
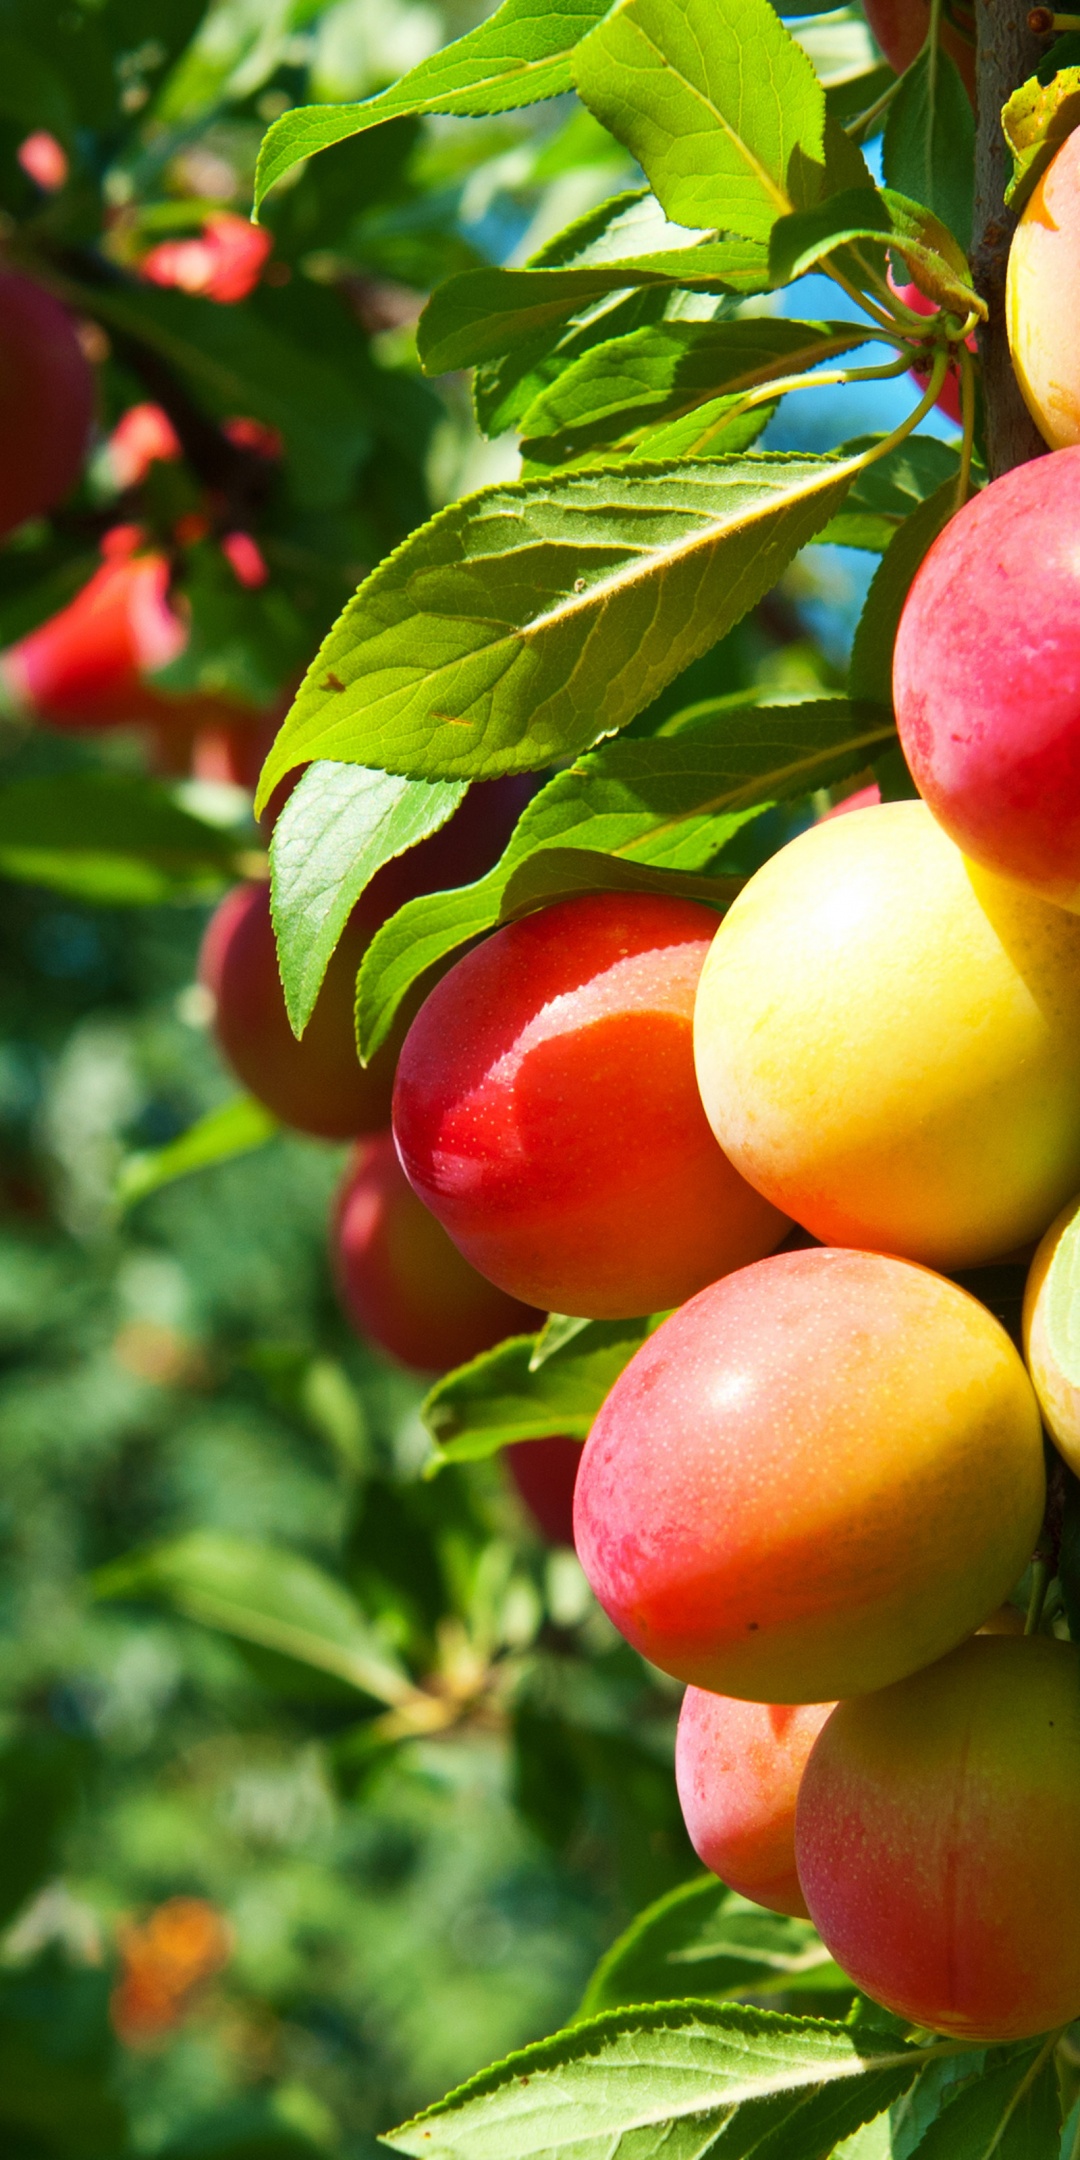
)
(1040, 1581)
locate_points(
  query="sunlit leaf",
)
(504, 1395)
(704, 1940)
(1038, 118)
(929, 152)
(520, 55)
(528, 621)
(720, 106)
(483, 314)
(672, 2079)
(664, 370)
(339, 826)
(884, 220)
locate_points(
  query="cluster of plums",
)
(818, 1481)
(821, 1477)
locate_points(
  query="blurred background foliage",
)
(248, 1908)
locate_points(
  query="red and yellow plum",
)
(546, 1111)
(938, 1840)
(986, 677)
(820, 1474)
(401, 1281)
(888, 1042)
(738, 1768)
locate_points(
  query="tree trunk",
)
(1006, 54)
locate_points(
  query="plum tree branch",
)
(1006, 53)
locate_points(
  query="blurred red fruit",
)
(254, 435)
(245, 558)
(86, 666)
(44, 159)
(401, 1281)
(901, 26)
(545, 1472)
(164, 1961)
(143, 434)
(225, 263)
(46, 400)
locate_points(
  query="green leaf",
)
(720, 428)
(918, 2109)
(673, 802)
(662, 371)
(484, 314)
(625, 228)
(519, 56)
(503, 1396)
(679, 2079)
(527, 621)
(1070, 2135)
(340, 825)
(872, 2142)
(627, 223)
(1012, 2112)
(234, 1129)
(885, 219)
(870, 675)
(929, 149)
(705, 1939)
(266, 1595)
(719, 105)
(887, 492)
(1038, 118)
(849, 99)
(113, 838)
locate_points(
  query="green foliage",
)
(273, 1598)
(340, 824)
(1012, 2111)
(871, 653)
(233, 1129)
(511, 586)
(112, 837)
(706, 1939)
(774, 2086)
(615, 396)
(483, 314)
(721, 108)
(520, 55)
(884, 219)
(1037, 119)
(929, 149)
(888, 492)
(523, 1390)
